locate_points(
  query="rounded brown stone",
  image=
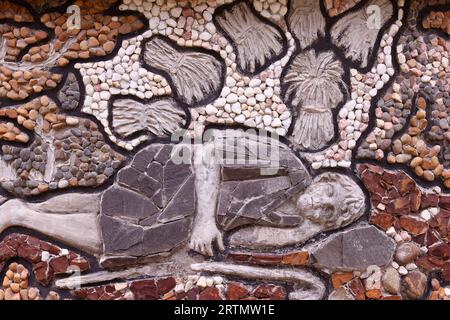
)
(406, 253)
(415, 283)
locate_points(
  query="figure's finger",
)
(219, 239)
(203, 249)
(209, 249)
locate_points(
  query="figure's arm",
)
(207, 182)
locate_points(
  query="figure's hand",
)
(203, 237)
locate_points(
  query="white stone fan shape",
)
(196, 76)
(161, 116)
(313, 87)
(354, 34)
(257, 42)
(306, 21)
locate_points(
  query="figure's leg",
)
(79, 230)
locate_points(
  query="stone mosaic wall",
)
(100, 100)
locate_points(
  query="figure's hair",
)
(350, 200)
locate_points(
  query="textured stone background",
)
(87, 114)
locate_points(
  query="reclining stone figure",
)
(270, 203)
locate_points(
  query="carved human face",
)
(319, 203)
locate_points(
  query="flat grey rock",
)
(354, 249)
(149, 209)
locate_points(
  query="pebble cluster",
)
(353, 118)
(66, 152)
(412, 149)
(437, 20)
(16, 287)
(19, 85)
(416, 219)
(46, 259)
(252, 102)
(17, 39)
(424, 67)
(15, 284)
(97, 35)
(9, 10)
(123, 75)
(336, 7)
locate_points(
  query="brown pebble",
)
(428, 175)
(33, 293)
(5, 282)
(24, 294)
(421, 103)
(15, 287)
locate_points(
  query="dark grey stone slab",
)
(144, 157)
(165, 237)
(355, 249)
(138, 181)
(182, 204)
(121, 238)
(121, 202)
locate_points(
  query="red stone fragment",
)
(441, 250)
(340, 278)
(269, 291)
(391, 298)
(236, 292)
(192, 293)
(265, 259)
(382, 220)
(429, 200)
(165, 285)
(210, 293)
(444, 202)
(81, 263)
(144, 290)
(28, 252)
(59, 264)
(357, 289)
(413, 225)
(296, 258)
(373, 294)
(239, 257)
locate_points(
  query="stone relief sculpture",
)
(354, 35)
(305, 21)
(285, 209)
(314, 86)
(161, 117)
(257, 42)
(197, 76)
